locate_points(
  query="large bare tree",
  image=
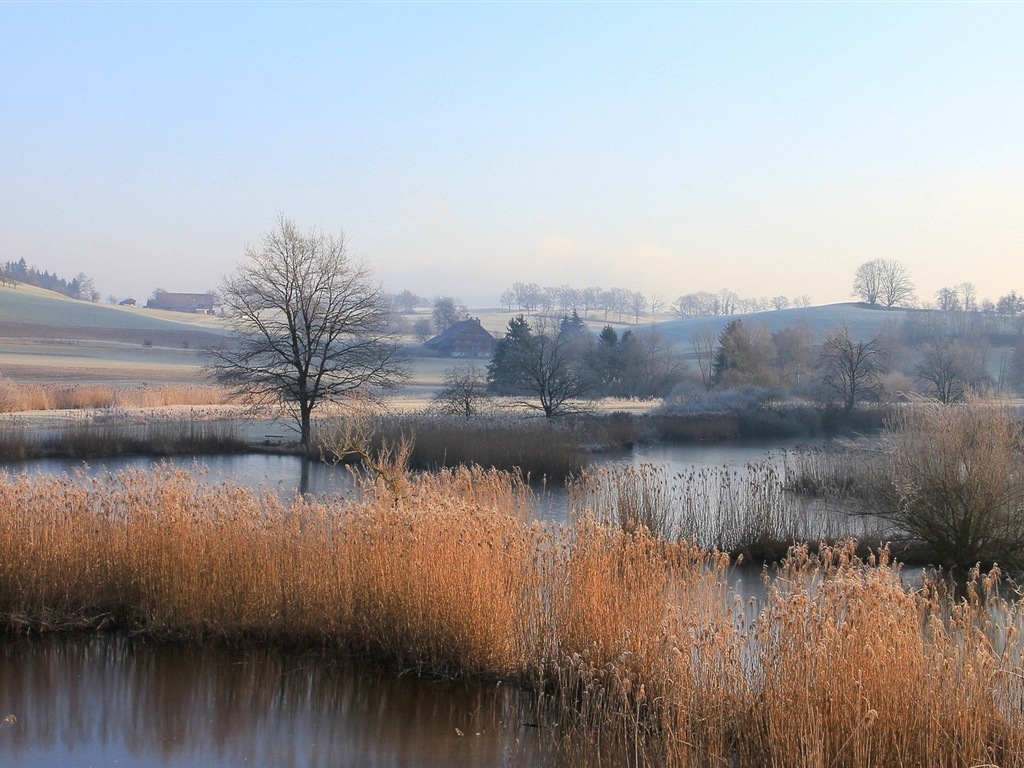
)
(851, 369)
(883, 280)
(309, 325)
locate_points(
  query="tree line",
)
(80, 286)
(555, 366)
(626, 305)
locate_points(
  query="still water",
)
(291, 474)
(101, 701)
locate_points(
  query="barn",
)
(466, 338)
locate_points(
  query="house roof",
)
(455, 330)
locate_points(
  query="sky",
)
(766, 148)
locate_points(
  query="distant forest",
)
(79, 287)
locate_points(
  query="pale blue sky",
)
(661, 147)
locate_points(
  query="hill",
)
(45, 336)
(864, 321)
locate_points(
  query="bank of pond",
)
(612, 620)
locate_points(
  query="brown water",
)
(102, 701)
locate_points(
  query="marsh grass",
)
(747, 510)
(531, 447)
(639, 651)
(48, 397)
(87, 439)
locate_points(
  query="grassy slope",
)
(48, 337)
(862, 321)
(27, 304)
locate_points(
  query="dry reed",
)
(91, 440)
(747, 510)
(639, 650)
(16, 398)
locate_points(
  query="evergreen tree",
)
(572, 325)
(505, 374)
(605, 362)
(741, 358)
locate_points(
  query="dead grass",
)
(48, 397)
(86, 439)
(747, 510)
(639, 651)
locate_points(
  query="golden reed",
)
(638, 649)
(16, 398)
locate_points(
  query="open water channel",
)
(102, 701)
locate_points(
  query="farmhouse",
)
(182, 302)
(466, 338)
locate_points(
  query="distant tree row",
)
(726, 302)
(551, 365)
(887, 282)
(554, 365)
(622, 304)
(565, 299)
(842, 369)
(845, 369)
(79, 287)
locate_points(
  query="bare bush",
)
(355, 437)
(954, 478)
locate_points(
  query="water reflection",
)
(286, 474)
(106, 700)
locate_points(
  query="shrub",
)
(953, 477)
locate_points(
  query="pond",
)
(291, 474)
(107, 700)
(92, 701)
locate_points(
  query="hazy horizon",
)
(666, 148)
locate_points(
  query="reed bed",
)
(48, 397)
(639, 651)
(749, 510)
(92, 440)
(531, 447)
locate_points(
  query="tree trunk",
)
(304, 424)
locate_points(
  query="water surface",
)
(108, 700)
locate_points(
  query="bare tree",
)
(705, 341)
(447, 311)
(637, 303)
(897, 289)
(851, 369)
(794, 355)
(948, 299)
(867, 282)
(591, 299)
(407, 301)
(551, 368)
(508, 299)
(568, 298)
(949, 370)
(82, 287)
(658, 303)
(423, 328)
(309, 326)
(883, 280)
(464, 391)
(968, 296)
